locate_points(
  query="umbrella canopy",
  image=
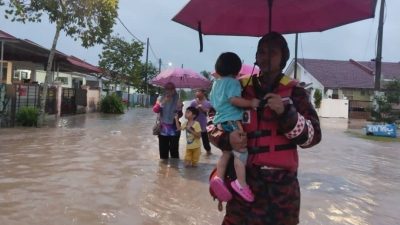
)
(181, 78)
(248, 70)
(258, 17)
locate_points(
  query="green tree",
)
(317, 98)
(183, 95)
(206, 74)
(384, 103)
(88, 20)
(393, 92)
(122, 60)
(152, 71)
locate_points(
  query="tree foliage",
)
(384, 104)
(122, 59)
(152, 72)
(206, 74)
(88, 20)
(392, 92)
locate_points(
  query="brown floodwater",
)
(105, 169)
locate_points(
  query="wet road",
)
(104, 169)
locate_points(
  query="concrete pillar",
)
(59, 99)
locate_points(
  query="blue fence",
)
(137, 99)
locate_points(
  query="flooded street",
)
(105, 169)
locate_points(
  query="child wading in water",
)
(193, 135)
(226, 99)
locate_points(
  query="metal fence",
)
(137, 99)
(4, 106)
(360, 109)
(14, 97)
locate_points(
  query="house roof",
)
(348, 74)
(16, 49)
(82, 64)
(6, 36)
(390, 70)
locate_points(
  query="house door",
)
(68, 101)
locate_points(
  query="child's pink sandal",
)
(244, 192)
(217, 185)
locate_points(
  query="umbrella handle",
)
(270, 15)
(200, 36)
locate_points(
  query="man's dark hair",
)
(228, 64)
(276, 39)
(193, 110)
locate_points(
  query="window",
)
(63, 80)
(22, 74)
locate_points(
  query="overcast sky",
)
(176, 44)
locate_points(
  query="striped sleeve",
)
(300, 122)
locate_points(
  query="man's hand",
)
(274, 102)
(254, 103)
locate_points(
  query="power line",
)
(129, 31)
(154, 54)
(151, 48)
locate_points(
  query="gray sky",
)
(177, 44)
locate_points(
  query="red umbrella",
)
(258, 17)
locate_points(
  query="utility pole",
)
(146, 71)
(159, 71)
(1, 65)
(159, 65)
(129, 93)
(378, 61)
(295, 55)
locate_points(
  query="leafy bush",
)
(112, 104)
(28, 116)
(383, 111)
(386, 103)
(317, 98)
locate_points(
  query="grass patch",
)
(372, 138)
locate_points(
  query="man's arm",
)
(299, 121)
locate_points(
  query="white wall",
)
(334, 108)
(41, 74)
(304, 76)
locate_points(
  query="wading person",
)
(193, 134)
(168, 105)
(203, 105)
(284, 120)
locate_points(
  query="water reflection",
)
(105, 169)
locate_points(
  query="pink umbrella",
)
(248, 70)
(258, 17)
(181, 78)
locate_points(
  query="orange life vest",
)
(266, 145)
